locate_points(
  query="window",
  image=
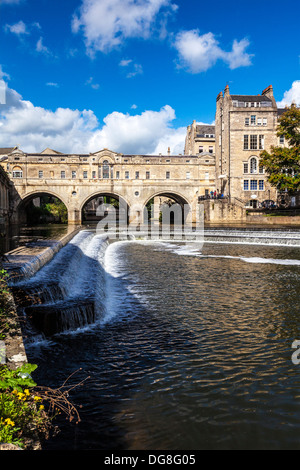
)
(147, 175)
(253, 185)
(188, 175)
(85, 175)
(253, 142)
(17, 172)
(211, 149)
(253, 165)
(253, 120)
(261, 169)
(261, 142)
(207, 176)
(137, 175)
(246, 185)
(247, 120)
(93, 174)
(127, 175)
(265, 121)
(259, 121)
(73, 175)
(246, 142)
(201, 149)
(41, 174)
(167, 175)
(246, 168)
(62, 174)
(105, 170)
(117, 175)
(261, 185)
(281, 140)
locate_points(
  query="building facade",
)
(245, 126)
(76, 179)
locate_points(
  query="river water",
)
(191, 349)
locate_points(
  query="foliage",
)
(282, 164)
(58, 210)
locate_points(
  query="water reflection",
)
(197, 354)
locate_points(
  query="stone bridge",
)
(134, 180)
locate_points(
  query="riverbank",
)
(21, 262)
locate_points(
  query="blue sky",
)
(131, 75)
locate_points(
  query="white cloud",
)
(41, 48)
(91, 83)
(107, 23)
(201, 52)
(135, 69)
(53, 84)
(19, 28)
(291, 95)
(35, 128)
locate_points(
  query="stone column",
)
(74, 216)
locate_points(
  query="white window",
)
(265, 121)
(246, 168)
(261, 142)
(188, 175)
(41, 174)
(17, 174)
(259, 121)
(207, 176)
(63, 174)
(73, 175)
(253, 165)
(127, 175)
(85, 175)
(247, 121)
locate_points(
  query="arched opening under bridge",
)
(106, 206)
(167, 208)
(42, 208)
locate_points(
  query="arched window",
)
(17, 172)
(253, 165)
(105, 169)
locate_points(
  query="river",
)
(190, 349)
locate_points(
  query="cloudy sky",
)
(131, 75)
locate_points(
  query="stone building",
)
(245, 125)
(5, 193)
(77, 179)
(200, 139)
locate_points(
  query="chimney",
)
(226, 91)
(169, 151)
(268, 91)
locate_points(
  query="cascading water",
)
(67, 293)
(70, 292)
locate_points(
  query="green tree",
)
(282, 164)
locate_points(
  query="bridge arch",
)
(166, 197)
(31, 206)
(91, 203)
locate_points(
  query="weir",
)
(69, 292)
